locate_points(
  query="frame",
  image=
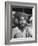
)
(8, 10)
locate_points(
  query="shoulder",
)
(28, 28)
(15, 29)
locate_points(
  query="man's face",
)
(22, 21)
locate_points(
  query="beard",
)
(21, 27)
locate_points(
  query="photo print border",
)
(8, 5)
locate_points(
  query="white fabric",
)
(19, 33)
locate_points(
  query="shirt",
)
(17, 32)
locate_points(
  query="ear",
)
(16, 21)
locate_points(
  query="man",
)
(21, 29)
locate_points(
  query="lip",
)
(22, 24)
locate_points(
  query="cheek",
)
(24, 21)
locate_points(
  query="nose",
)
(23, 21)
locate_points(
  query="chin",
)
(21, 27)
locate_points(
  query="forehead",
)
(22, 17)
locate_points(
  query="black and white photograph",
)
(20, 22)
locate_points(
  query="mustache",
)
(21, 27)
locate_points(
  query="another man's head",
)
(21, 20)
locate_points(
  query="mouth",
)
(22, 25)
